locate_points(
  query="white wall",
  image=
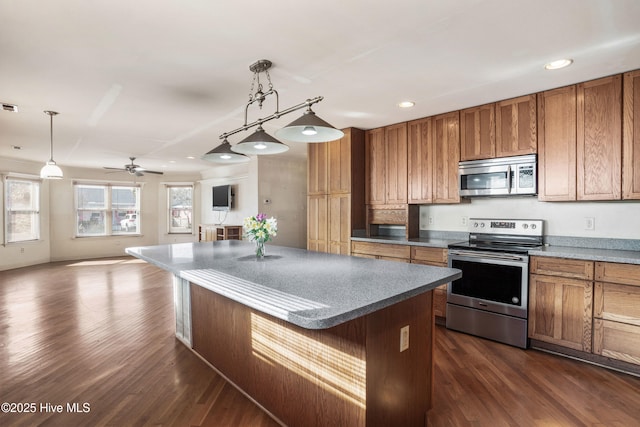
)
(619, 220)
(58, 241)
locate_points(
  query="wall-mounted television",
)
(222, 198)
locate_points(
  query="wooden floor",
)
(96, 337)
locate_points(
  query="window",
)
(180, 205)
(104, 210)
(22, 202)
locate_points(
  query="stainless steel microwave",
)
(504, 176)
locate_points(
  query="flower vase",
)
(259, 249)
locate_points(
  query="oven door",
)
(491, 281)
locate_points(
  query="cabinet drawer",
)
(434, 256)
(381, 249)
(387, 216)
(628, 274)
(620, 303)
(574, 268)
(616, 340)
(440, 301)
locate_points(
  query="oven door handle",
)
(509, 179)
(486, 255)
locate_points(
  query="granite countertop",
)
(589, 254)
(421, 241)
(312, 290)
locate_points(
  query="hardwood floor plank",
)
(102, 332)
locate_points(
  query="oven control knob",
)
(482, 225)
(475, 224)
(515, 300)
(525, 226)
(533, 226)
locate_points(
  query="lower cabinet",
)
(616, 311)
(560, 302)
(438, 258)
(388, 251)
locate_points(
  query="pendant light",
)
(260, 142)
(223, 153)
(50, 170)
(309, 128)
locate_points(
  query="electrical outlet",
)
(464, 221)
(404, 338)
(589, 223)
(430, 220)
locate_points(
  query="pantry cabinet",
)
(616, 311)
(631, 136)
(335, 192)
(560, 302)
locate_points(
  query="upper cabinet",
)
(631, 136)
(434, 153)
(317, 169)
(478, 133)
(599, 139)
(516, 127)
(386, 165)
(580, 141)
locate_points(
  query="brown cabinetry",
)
(438, 258)
(386, 165)
(420, 161)
(388, 251)
(516, 126)
(580, 141)
(446, 155)
(631, 136)
(335, 193)
(599, 139)
(209, 232)
(616, 311)
(560, 302)
(477, 133)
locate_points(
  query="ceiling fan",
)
(134, 169)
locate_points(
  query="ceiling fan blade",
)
(115, 169)
(156, 172)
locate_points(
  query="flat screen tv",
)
(222, 198)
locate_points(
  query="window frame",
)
(169, 209)
(108, 211)
(36, 211)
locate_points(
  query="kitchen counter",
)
(348, 339)
(427, 242)
(312, 290)
(589, 254)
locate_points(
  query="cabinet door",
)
(339, 164)
(396, 163)
(516, 127)
(599, 139)
(375, 188)
(478, 133)
(420, 160)
(631, 136)
(560, 311)
(317, 221)
(446, 155)
(616, 340)
(557, 144)
(339, 224)
(317, 170)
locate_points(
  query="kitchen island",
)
(313, 338)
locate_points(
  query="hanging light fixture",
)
(308, 128)
(223, 154)
(50, 170)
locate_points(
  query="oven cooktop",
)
(502, 235)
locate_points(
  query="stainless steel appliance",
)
(491, 298)
(503, 176)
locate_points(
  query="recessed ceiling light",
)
(557, 64)
(172, 161)
(406, 104)
(190, 157)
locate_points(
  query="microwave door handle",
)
(509, 179)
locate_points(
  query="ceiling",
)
(160, 80)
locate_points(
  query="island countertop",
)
(312, 290)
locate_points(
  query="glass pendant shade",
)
(309, 128)
(50, 170)
(260, 142)
(224, 154)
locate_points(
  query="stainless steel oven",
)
(491, 298)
